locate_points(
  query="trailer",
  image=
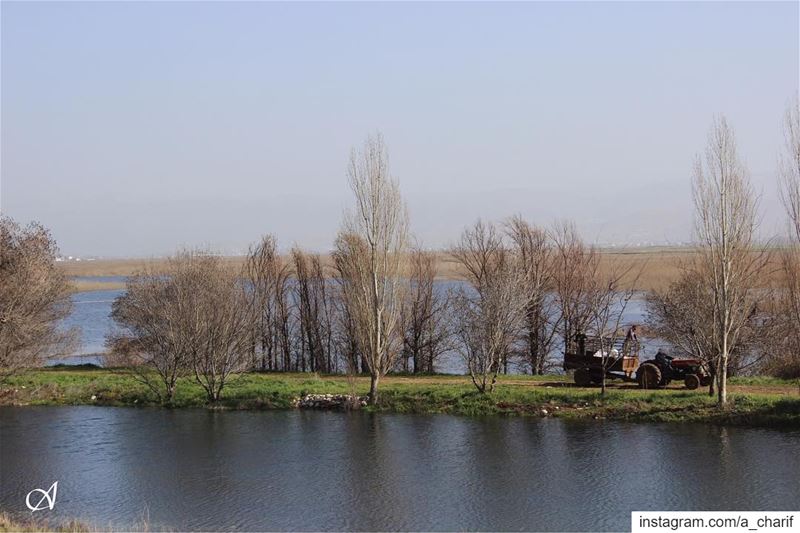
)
(587, 355)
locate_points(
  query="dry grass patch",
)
(80, 285)
(660, 266)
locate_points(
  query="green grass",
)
(764, 380)
(773, 403)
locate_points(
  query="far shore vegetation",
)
(659, 266)
(81, 285)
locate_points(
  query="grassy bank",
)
(755, 401)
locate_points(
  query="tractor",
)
(586, 357)
(659, 371)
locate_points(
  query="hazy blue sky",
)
(135, 128)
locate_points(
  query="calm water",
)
(91, 315)
(295, 470)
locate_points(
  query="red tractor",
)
(659, 371)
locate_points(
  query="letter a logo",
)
(49, 495)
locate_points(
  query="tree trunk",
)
(493, 382)
(713, 374)
(373, 389)
(213, 394)
(170, 394)
(722, 385)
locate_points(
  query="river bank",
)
(754, 401)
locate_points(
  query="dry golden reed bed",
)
(81, 285)
(659, 266)
(31, 524)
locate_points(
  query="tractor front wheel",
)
(597, 377)
(648, 376)
(583, 377)
(692, 381)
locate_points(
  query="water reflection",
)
(200, 469)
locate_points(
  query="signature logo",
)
(47, 499)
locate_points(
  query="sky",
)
(135, 129)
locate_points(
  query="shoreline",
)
(755, 402)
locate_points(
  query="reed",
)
(659, 266)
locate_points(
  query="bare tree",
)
(192, 316)
(261, 271)
(370, 258)
(608, 299)
(285, 322)
(315, 310)
(155, 317)
(222, 327)
(789, 168)
(489, 312)
(533, 249)
(786, 358)
(344, 341)
(684, 315)
(778, 343)
(426, 332)
(479, 255)
(725, 225)
(575, 274)
(34, 297)
(268, 277)
(479, 252)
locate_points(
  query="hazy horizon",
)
(133, 129)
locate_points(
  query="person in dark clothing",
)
(631, 341)
(663, 358)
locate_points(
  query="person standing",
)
(631, 341)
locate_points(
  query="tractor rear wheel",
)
(648, 376)
(583, 377)
(692, 381)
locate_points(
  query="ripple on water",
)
(288, 470)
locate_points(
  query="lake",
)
(91, 316)
(304, 470)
